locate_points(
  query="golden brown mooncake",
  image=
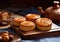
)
(27, 26)
(32, 17)
(43, 24)
(18, 20)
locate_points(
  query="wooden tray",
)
(55, 31)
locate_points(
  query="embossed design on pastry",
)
(44, 24)
(32, 17)
(27, 26)
(18, 20)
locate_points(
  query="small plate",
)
(5, 27)
(16, 40)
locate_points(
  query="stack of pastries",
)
(6, 37)
(30, 21)
(4, 17)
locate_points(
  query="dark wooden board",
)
(55, 31)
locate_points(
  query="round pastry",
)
(5, 38)
(44, 24)
(11, 37)
(5, 33)
(18, 20)
(32, 17)
(0, 38)
(27, 26)
(4, 16)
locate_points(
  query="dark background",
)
(25, 3)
